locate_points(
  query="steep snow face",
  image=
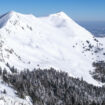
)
(55, 41)
(4, 18)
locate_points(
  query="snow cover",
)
(54, 41)
(10, 98)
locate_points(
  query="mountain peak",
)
(11, 12)
(30, 41)
(60, 15)
(8, 14)
(5, 17)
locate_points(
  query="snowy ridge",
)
(4, 18)
(31, 42)
(55, 41)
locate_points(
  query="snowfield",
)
(54, 41)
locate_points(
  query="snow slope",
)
(10, 97)
(54, 41)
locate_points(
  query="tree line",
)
(51, 87)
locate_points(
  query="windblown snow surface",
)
(54, 41)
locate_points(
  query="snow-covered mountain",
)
(54, 41)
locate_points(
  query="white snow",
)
(10, 98)
(54, 41)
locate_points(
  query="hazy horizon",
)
(78, 10)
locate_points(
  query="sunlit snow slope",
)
(54, 41)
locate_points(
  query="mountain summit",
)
(55, 41)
